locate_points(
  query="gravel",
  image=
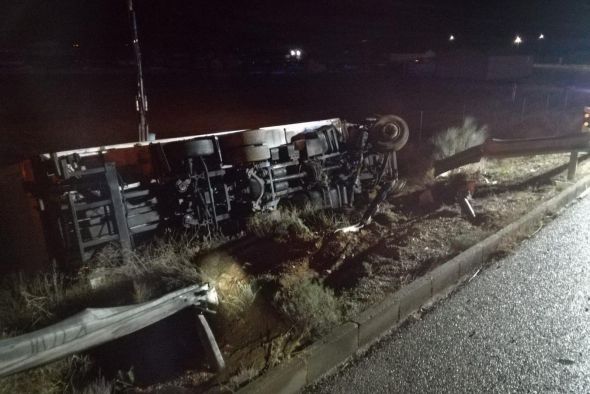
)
(522, 325)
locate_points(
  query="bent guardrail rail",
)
(95, 326)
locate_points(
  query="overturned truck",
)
(126, 193)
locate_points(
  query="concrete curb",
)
(369, 326)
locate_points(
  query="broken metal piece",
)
(373, 207)
(467, 208)
(377, 201)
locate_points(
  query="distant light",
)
(296, 53)
(451, 38)
(517, 40)
(75, 45)
(541, 36)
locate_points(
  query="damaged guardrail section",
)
(95, 326)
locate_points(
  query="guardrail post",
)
(571, 170)
(421, 125)
(209, 343)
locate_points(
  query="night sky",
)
(217, 24)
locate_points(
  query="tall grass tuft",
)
(456, 139)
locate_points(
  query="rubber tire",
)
(248, 137)
(385, 143)
(316, 199)
(250, 154)
(319, 144)
(198, 148)
(275, 138)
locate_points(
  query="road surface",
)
(522, 325)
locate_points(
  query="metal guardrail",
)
(495, 148)
(95, 326)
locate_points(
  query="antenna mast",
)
(141, 103)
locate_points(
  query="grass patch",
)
(64, 376)
(289, 224)
(282, 225)
(29, 302)
(323, 220)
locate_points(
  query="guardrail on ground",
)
(95, 326)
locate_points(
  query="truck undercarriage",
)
(126, 193)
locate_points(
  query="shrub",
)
(307, 304)
(457, 139)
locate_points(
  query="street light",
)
(451, 38)
(541, 36)
(517, 40)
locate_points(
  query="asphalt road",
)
(522, 325)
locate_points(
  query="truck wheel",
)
(248, 137)
(274, 138)
(316, 199)
(198, 148)
(390, 133)
(315, 147)
(249, 154)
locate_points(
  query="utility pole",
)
(141, 103)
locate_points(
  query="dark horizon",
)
(196, 26)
